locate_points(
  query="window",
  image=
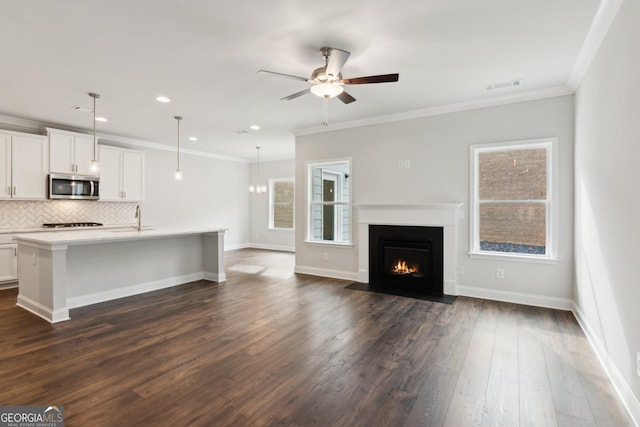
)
(512, 208)
(329, 209)
(281, 203)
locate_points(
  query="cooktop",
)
(71, 224)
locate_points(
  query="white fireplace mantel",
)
(444, 215)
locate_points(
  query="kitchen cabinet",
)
(70, 152)
(8, 259)
(24, 166)
(121, 174)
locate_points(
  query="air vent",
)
(241, 132)
(503, 85)
(81, 109)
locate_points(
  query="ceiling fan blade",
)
(288, 76)
(337, 59)
(346, 98)
(383, 78)
(295, 95)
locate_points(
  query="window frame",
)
(272, 182)
(551, 202)
(310, 203)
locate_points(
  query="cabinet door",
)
(83, 155)
(110, 174)
(133, 176)
(5, 166)
(61, 153)
(29, 167)
(8, 263)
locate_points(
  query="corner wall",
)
(607, 226)
(438, 150)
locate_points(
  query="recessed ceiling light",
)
(101, 119)
(254, 127)
(193, 138)
(163, 99)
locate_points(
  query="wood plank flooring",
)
(270, 348)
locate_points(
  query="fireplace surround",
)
(444, 215)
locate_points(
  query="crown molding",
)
(602, 20)
(37, 127)
(443, 109)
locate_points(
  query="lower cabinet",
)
(121, 174)
(8, 262)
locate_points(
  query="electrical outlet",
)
(400, 164)
(638, 364)
(499, 273)
(326, 256)
(407, 164)
(461, 269)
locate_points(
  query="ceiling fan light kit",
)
(327, 81)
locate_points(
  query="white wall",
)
(607, 284)
(260, 234)
(438, 148)
(211, 193)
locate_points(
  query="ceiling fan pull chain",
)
(325, 111)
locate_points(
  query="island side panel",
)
(42, 288)
(214, 256)
(115, 269)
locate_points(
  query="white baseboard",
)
(214, 277)
(51, 316)
(516, 297)
(617, 379)
(272, 247)
(236, 247)
(324, 272)
(128, 291)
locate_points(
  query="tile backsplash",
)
(16, 214)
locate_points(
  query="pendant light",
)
(94, 162)
(178, 174)
(258, 189)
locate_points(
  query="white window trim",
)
(308, 239)
(272, 181)
(551, 220)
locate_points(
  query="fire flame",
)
(403, 268)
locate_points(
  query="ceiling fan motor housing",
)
(320, 75)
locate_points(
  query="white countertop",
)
(79, 237)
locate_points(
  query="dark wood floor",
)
(271, 348)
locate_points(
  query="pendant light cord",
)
(178, 151)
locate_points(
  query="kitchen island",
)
(68, 269)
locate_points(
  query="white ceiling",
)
(205, 55)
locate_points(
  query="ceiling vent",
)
(503, 85)
(81, 109)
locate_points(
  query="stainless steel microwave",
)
(77, 187)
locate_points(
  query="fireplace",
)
(406, 257)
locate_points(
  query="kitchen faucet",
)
(139, 216)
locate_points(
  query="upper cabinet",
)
(121, 174)
(70, 152)
(24, 165)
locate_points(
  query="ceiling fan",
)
(327, 81)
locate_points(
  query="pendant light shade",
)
(95, 167)
(178, 174)
(258, 189)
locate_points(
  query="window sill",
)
(281, 229)
(328, 243)
(513, 257)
